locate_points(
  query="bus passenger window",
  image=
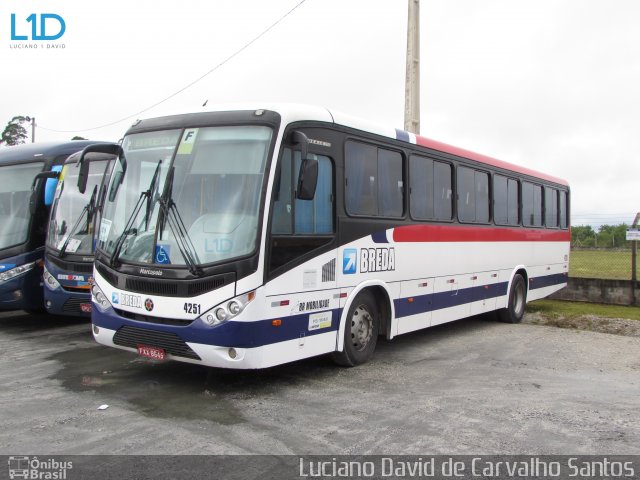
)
(473, 195)
(531, 205)
(563, 210)
(430, 183)
(374, 183)
(505, 201)
(551, 207)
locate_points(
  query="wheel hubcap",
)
(361, 328)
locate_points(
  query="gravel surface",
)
(471, 387)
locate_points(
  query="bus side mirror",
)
(108, 148)
(83, 176)
(308, 176)
(33, 199)
(307, 179)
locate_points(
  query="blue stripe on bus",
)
(547, 281)
(402, 136)
(229, 334)
(441, 300)
(262, 332)
(380, 237)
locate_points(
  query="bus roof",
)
(30, 152)
(299, 112)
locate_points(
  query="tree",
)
(582, 236)
(77, 137)
(14, 133)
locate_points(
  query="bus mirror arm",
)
(108, 148)
(300, 138)
(33, 199)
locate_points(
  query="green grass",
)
(571, 310)
(606, 264)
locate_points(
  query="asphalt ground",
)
(470, 387)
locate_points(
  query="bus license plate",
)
(85, 307)
(151, 352)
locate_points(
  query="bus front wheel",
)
(517, 301)
(361, 331)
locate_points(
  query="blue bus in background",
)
(28, 179)
(68, 261)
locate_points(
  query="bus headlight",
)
(228, 310)
(99, 299)
(14, 272)
(50, 281)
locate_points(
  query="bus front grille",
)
(72, 305)
(152, 287)
(131, 337)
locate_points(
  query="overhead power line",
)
(189, 85)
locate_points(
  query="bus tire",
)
(517, 301)
(361, 331)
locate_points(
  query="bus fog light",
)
(48, 303)
(96, 330)
(232, 353)
(234, 307)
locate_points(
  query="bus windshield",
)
(186, 197)
(15, 190)
(71, 225)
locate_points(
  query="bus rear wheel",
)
(517, 301)
(361, 331)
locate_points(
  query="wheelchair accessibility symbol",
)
(162, 254)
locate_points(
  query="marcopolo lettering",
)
(377, 260)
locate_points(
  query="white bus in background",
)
(254, 237)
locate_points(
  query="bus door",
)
(301, 265)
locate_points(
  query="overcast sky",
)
(550, 84)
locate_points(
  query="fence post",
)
(634, 263)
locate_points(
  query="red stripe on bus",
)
(460, 152)
(444, 233)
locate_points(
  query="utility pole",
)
(412, 81)
(33, 128)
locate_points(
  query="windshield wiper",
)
(151, 199)
(88, 210)
(128, 228)
(171, 216)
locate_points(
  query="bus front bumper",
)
(198, 353)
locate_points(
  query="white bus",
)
(254, 237)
